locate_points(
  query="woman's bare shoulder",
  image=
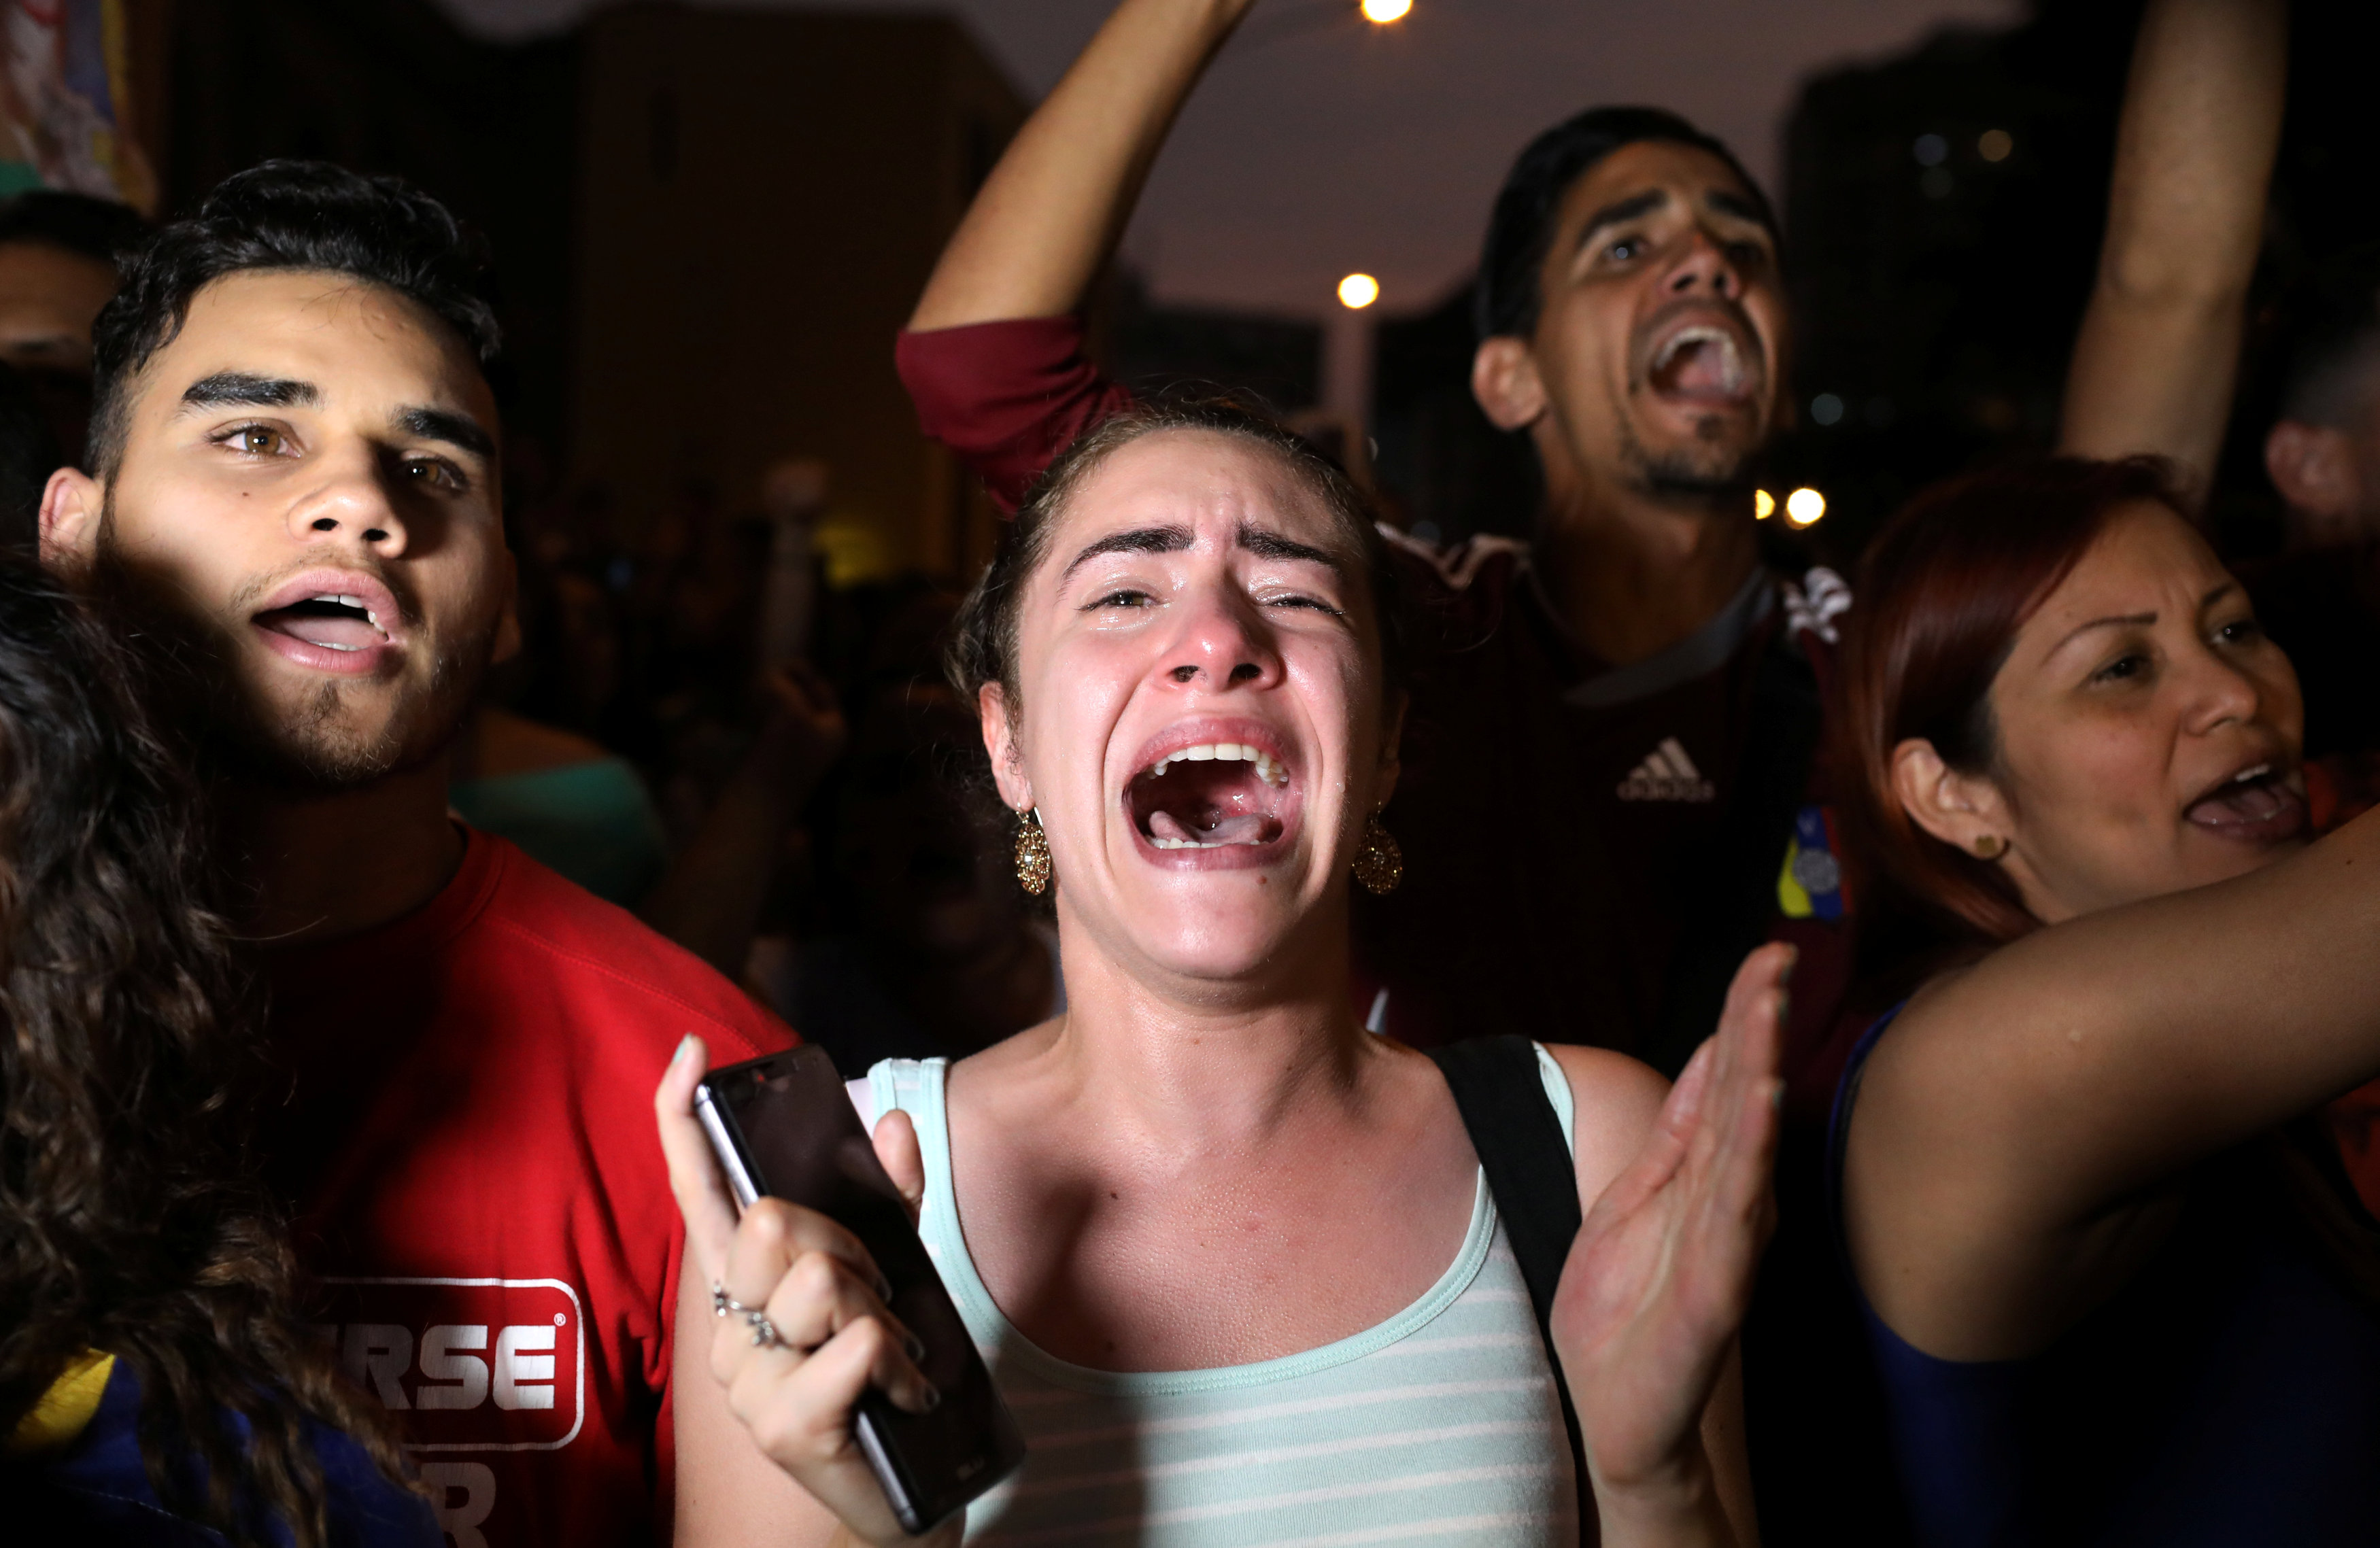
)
(1616, 1100)
(1927, 1025)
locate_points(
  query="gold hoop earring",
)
(1990, 846)
(1379, 864)
(1032, 854)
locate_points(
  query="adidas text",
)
(1668, 775)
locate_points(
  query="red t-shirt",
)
(469, 1144)
(1560, 823)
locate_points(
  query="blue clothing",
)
(593, 822)
(97, 1491)
(2228, 1393)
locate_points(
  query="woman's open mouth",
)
(2262, 804)
(1232, 801)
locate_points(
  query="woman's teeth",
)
(1228, 828)
(1267, 770)
(2250, 797)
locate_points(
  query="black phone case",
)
(783, 1127)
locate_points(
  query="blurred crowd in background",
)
(729, 714)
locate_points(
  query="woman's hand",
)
(822, 1295)
(1660, 1278)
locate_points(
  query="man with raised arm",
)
(1634, 681)
(294, 497)
(1599, 681)
(1634, 684)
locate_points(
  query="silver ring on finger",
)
(764, 1332)
(722, 1303)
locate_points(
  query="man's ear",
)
(1954, 807)
(72, 504)
(2314, 467)
(1000, 740)
(1504, 378)
(508, 626)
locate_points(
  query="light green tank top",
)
(1438, 1426)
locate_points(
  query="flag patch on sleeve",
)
(1811, 885)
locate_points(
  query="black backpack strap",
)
(1533, 1181)
(1745, 854)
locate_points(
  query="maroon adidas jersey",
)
(1558, 818)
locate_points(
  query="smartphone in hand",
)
(783, 1127)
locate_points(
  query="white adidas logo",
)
(1666, 774)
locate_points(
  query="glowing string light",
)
(1359, 291)
(1764, 504)
(1803, 507)
(1381, 12)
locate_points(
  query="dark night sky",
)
(1320, 144)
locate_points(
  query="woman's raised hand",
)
(1659, 1280)
(822, 1296)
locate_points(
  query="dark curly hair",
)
(289, 216)
(129, 1222)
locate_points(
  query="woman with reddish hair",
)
(2118, 1289)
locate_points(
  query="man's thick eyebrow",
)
(1272, 545)
(1625, 209)
(246, 390)
(443, 424)
(1735, 204)
(1140, 540)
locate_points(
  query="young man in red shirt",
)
(295, 495)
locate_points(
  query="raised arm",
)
(2018, 1129)
(1054, 207)
(2156, 362)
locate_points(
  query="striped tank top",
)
(1438, 1426)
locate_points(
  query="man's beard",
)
(1712, 469)
(1717, 464)
(236, 736)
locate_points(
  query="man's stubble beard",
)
(237, 737)
(1714, 469)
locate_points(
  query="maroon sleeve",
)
(1007, 397)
